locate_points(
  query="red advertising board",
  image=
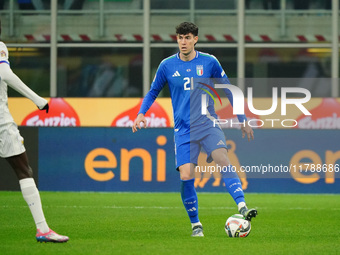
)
(121, 112)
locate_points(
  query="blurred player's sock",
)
(233, 184)
(241, 205)
(189, 199)
(31, 195)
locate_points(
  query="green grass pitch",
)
(156, 223)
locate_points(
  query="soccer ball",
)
(237, 226)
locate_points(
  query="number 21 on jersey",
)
(187, 83)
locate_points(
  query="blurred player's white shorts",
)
(11, 142)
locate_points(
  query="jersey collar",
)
(197, 53)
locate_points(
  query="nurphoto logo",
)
(238, 105)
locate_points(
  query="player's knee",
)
(220, 157)
(222, 160)
(26, 172)
(187, 175)
(187, 172)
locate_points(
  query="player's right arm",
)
(14, 82)
(157, 85)
(137, 123)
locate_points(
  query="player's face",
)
(186, 43)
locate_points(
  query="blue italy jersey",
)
(183, 79)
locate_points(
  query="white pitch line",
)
(121, 207)
(166, 207)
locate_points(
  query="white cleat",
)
(197, 231)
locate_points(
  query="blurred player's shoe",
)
(50, 236)
(197, 231)
(248, 213)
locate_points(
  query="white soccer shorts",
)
(11, 142)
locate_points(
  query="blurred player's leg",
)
(32, 198)
(189, 197)
(31, 195)
(232, 182)
(29, 190)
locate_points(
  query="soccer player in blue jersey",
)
(194, 130)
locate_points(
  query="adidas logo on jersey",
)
(220, 143)
(176, 74)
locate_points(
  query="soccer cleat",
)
(50, 236)
(197, 231)
(248, 213)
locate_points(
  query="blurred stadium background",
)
(95, 59)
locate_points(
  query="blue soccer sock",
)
(233, 184)
(189, 198)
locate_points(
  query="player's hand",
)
(137, 123)
(247, 130)
(45, 108)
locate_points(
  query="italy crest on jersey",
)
(199, 70)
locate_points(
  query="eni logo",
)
(108, 161)
(311, 176)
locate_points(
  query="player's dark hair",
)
(186, 28)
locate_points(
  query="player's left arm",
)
(245, 128)
(219, 73)
(16, 83)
